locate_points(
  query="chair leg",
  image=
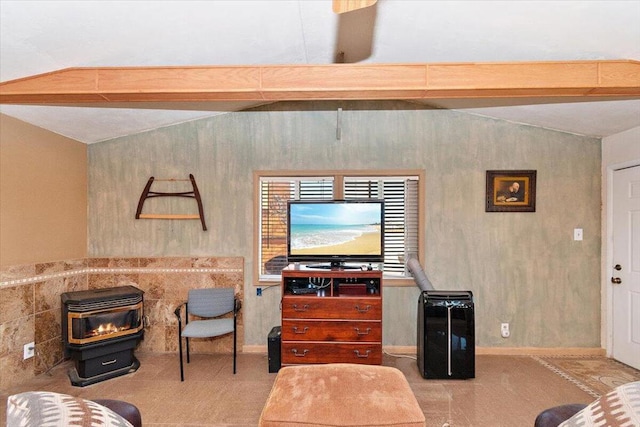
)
(180, 347)
(234, 346)
(188, 357)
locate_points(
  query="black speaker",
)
(273, 347)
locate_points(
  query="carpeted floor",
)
(508, 391)
(594, 375)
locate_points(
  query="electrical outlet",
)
(259, 292)
(504, 330)
(29, 350)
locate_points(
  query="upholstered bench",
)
(341, 394)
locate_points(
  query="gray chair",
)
(210, 307)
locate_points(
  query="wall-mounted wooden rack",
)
(193, 194)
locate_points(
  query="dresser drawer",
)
(332, 308)
(322, 352)
(331, 330)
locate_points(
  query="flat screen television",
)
(335, 232)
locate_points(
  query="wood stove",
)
(100, 330)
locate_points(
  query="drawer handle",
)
(300, 309)
(362, 310)
(362, 356)
(109, 362)
(295, 352)
(303, 331)
(362, 333)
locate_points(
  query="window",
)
(401, 194)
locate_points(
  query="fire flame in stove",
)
(108, 328)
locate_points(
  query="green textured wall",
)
(523, 268)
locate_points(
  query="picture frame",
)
(511, 191)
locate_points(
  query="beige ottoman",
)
(341, 394)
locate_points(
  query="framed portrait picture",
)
(511, 191)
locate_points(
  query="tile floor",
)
(507, 391)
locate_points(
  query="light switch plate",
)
(577, 234)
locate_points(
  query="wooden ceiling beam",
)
(344, 6)
(572, 79)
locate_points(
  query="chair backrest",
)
(211, 302)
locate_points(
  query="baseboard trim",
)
(400, 349)
(504, 351)
(254, 349)
(542, 351)
(515, 351)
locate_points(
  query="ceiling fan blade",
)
(342, 6)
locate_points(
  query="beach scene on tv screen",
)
(335, 229)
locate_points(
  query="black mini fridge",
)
(446, 335)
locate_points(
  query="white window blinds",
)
(274, 194)
(400, 195)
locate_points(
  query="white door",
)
(625, 271)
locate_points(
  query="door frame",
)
(606, 270)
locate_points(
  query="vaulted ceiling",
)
(42, 37)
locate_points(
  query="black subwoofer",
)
(273, 347)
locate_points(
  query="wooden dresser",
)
(331, 316)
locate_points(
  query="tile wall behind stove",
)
(30, 303)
